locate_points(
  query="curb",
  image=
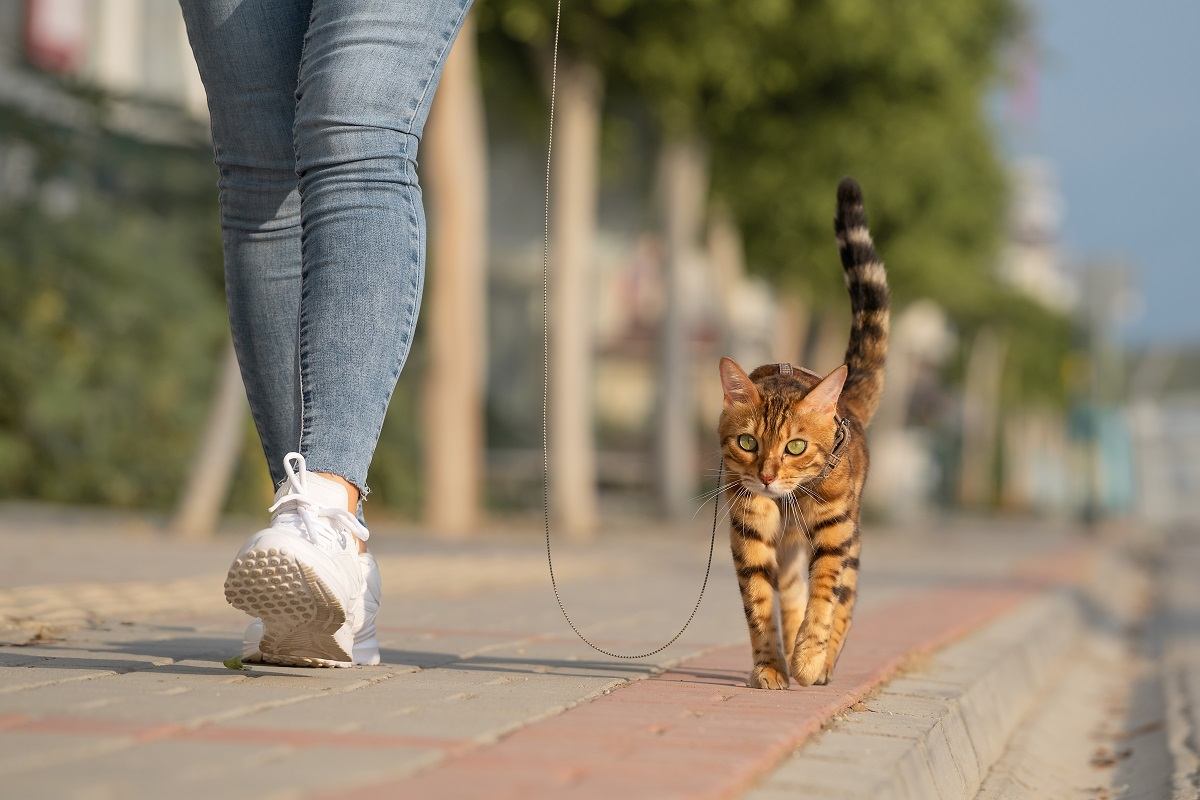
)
(1179, 665)
(936, 733)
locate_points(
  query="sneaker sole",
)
(300, 613)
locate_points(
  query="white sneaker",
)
(302, 575)
(366, 644)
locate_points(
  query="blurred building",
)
(135, 51)
(1032, 260)
(127, 47)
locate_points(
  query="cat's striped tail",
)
(870, 299)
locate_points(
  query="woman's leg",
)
(324, 271)
(248, 53)
(366, 81)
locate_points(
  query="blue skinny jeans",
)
(317, 108)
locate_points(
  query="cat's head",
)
(777, 433)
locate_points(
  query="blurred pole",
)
(829, 346)
(793, 316)
(1022, 434)
(745, 334)
(117, 55)
(981, 424)
(573, 495)
(213, 466)
(728, 259)
(453, 389)
(684, 193)
(921, 336)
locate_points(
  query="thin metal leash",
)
(546, 401)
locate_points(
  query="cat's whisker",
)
(795, 506)
(812, 493)
(716, 491)
(804, 522)
(710, 495)
(785, 507)
(740, 496)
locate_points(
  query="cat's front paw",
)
(808, 666)
(826, 675)
(764, 676)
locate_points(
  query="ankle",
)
(351, 490)
(351, 498)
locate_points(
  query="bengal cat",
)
(796, 458)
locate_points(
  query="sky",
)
(1117, 113)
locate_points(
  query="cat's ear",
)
(823, 397)
(739, 389)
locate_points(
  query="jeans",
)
(317, 108)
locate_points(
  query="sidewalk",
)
(484, 692)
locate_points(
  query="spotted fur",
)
(794, 518)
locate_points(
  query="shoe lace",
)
(315, 522)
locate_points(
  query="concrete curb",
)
(936, 734)
(1179, 644)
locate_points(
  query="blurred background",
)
(1029, 169)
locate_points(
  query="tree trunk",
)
(684, 195)
(453, 388)
(212, 469)
(981, 423)
(792, 319)
(727, 257)
(573, 493)
(828, 348)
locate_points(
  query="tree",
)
(453, 386)
(112, 303)
(574, 188)
(608, 37)
(207, 486)
(789, 97)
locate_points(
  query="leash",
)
(546, 401)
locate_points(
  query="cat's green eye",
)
(795, 447)
(747, 443)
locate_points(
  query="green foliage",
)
(113, 314)
(792, 96)
(105, 382)
(890, 93)
(113, 317)
(115, 322)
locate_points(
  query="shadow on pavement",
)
(91, 655)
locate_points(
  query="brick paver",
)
(483, 688)
(696, 730)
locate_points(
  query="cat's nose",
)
(766, 478)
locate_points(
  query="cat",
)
(795, 459)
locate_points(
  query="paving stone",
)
(949, 721)
(488, 688)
